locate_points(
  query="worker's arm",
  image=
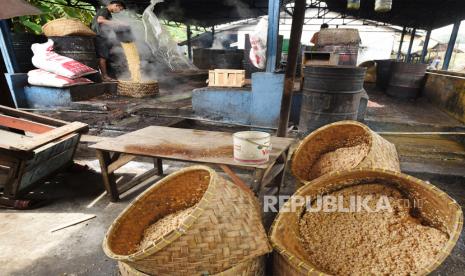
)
(314, 38)
(103, 20)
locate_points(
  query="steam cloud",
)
(158, 52)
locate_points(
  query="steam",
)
(242, 11)
(163, 47)
(157, 50)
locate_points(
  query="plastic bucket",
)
(252, 147)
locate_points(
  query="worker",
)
(102, 25)
(434, 65)
(314, 39)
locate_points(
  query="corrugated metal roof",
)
(422, 14)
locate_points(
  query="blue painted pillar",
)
(11, 64)
(273, 33)
(399, 52)
(425, 46)
(6, 46)
(412, 38)
(266, 98)
(451, 45)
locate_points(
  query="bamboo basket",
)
(381, 153)
(137, 89)
(438, 209)
(66, 27)
(223, 230)
(253, 267)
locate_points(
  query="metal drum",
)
(229, 59)
(406, 80)
(330, 94)
(200, 58)
(22, 49)
(218, 58)
(383, 72)
(79, 48)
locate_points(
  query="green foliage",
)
(53, 9)
(179, 33)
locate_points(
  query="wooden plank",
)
(270, 176)
(121, 161)
(92, 138)
(50, 136)
(31, 116)
(241, 184)
(186, 145)
(109, 180)
(9, 139)
(74, 222)
(158, 163)
(138, 180)
(23, 124)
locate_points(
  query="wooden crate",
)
(226, 78)
(32, 147)
(319, 58)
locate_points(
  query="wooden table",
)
(208, 147)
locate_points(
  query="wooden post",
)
(189, 42)
(108, 178)
(294, 50)
(425, 46)
(451, 45)
(399, 52)
(409, 52)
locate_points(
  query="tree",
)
(53, 9)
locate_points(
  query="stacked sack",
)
(55, 70)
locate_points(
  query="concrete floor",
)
(28, 247)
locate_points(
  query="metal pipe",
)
(273, 33)
(399, 52)
(424, 52)
(189, 42)
(294, 50)
(451, 45)
(412, 38)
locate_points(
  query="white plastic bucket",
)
(252, 147)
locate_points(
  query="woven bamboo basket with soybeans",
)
(191, 222)
(413, 238)
(341, 146)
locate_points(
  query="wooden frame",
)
(32, 147)
(270, 177)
